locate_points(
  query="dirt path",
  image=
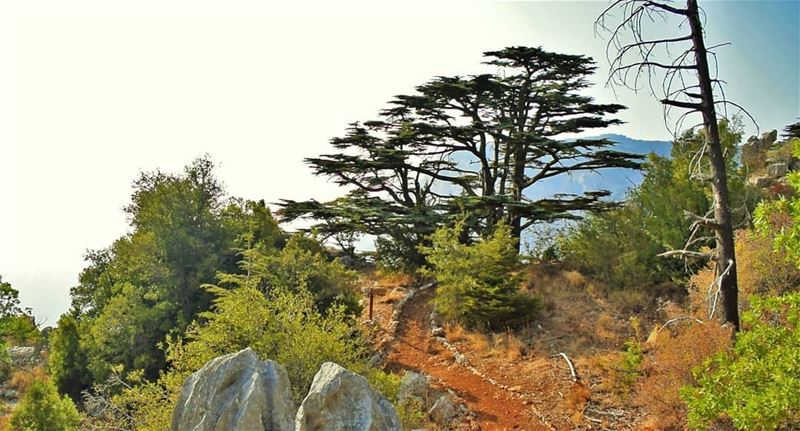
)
(414, 349)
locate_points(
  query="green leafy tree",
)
(756, 386)
(285, 326)
(478, 283)
(42, 409)
(15, 323)
(67, 362)
(303, 264)
(621, 247)
(274, 327)
(146, 285)
(476, 144)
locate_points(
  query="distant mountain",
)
(617, 181)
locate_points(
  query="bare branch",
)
(688, 253)
(679, 104)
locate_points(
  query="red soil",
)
(414, 349)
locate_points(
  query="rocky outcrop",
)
(340, 399)
(236, 392)
(443, 407)
(444, 411)
(23, 356)
(754, 151)
(414, 386)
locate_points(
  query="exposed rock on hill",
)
(236, 392)
(340, 399)
(768, 161)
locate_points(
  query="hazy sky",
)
(92, 92)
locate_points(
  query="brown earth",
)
(534, 388)
(414, 349)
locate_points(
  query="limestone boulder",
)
(778, 169)
(414, 386)
(444, 411)
(341, 400)
(236, 392)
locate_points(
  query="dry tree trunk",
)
(637, 59)
(723, 224)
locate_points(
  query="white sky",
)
(92, 92)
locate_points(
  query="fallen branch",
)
(687, 253)
(571, 366)
(670, 321)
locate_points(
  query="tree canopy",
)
(474, 144)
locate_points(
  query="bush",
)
(286, 327)
(667, 367)
(615, 249)
(303, 264)
(67, 362)
(478, 283)
(757, 385)
(43, 410)
(781, 219)
(631, 362)
(5, 362)
(762, 271)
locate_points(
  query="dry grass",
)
(576, 398)
(668, 367)
(393, 295)
(508, 346)
(393, 279)
(630, 301)
(479, 343)
(574, 279)
(607, 329)
(761, 271)
(22, 379)
(455, 333)
(605, 368)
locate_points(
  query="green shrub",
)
(303, 264)
(631, 364)
(284, 327)
(43, 410)
(5, 361)
(757, 385)
(412, 411)
(781, 218)
(478, 283)
(66, 361)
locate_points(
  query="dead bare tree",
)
(639, 57)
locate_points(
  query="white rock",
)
(341, 400)
(236, 392)
(444, 412)
(413, 385)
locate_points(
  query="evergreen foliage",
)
(67, 362)
(479, 283)
(471, 144)
(42, 409)
(146, 285)
(620, 247)
(757, 385)
(303, 264)
(16, 324)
